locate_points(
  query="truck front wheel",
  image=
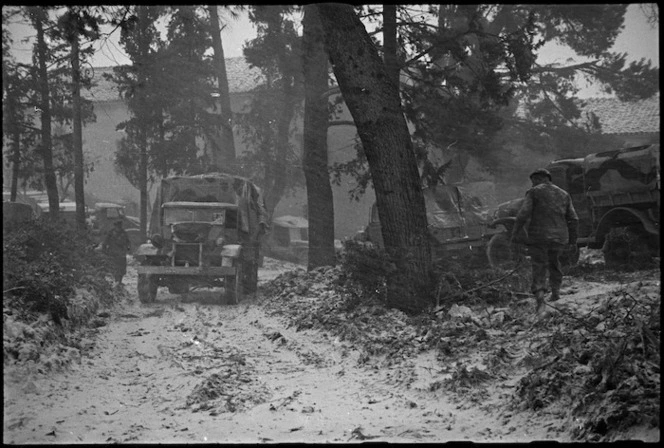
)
(233, 285)
(501, 254)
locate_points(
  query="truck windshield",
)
(173, 215)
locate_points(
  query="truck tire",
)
(627, 245)
(233, 289)
(501, 254)
(147, 288)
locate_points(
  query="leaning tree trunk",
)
(319, 191)
(373, 101)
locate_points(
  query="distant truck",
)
(616, 195)
(288, 239)
(103, 216)
(457, 222)
(205, 231)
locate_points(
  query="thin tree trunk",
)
(78, 135)
(225, 160)
(50, 180)
(143, 141)
(16, 163)
(15, 133)
(373, 101)
(320, 203)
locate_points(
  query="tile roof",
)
(241, 78)
(617, 117)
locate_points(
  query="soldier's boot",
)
(540, 306)
(555, 294)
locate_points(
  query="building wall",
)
(100, 140)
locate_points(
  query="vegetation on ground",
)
(598, 368)
(53, 284)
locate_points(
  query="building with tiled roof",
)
(636, 122)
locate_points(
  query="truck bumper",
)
(206, 271)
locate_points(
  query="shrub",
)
(44, 262)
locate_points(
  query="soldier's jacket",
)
(550, 213)
(116, 242)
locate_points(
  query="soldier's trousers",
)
(545, 257)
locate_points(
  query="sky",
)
(638, 39)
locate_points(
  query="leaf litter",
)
(595, 364)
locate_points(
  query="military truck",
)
(103, 216)
(616, 195)
(205, 232)
(457, 222)
(288, 239)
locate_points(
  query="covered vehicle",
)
(105, 214)
(288, 239)
(15, 213)
(616, 195)
(457, 221)
(205, 231)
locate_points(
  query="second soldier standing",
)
(552, 229)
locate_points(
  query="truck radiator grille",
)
(186, 254)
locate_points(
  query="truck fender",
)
(146, 249)
(507, 222)
(606, 222)
(231, 250)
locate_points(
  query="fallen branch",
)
(479, 287)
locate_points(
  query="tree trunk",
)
(225, 159)
(390, 42)
(39, 15)
(10, 110)
(143, 141)
(373, 101)
(79, 172)
(16, 163)
(320, 202)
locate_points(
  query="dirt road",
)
(185, 369)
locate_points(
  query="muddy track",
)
(189, 371)
(185, 369)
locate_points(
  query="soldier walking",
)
(551, 223)
(116, 245)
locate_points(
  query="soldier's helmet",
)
(541, 172)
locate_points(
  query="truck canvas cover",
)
(212, 187)
(623, 170)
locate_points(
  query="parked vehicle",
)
(288, 239)
(457, 220)
(616, 195)
(206, 231)
(105, 214)
(67, 211)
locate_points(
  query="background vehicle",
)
(105, 214)
(616, 195)
(457, 221)
(206, 231)
(288, 239)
